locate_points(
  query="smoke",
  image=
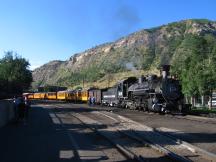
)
(165, 58)
(130, 66)
(125, 18)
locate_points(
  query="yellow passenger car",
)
(84, 95)
(62, 95)
(39, 95)
(30, 96)
(71, 96)
(78, 96)
(51, 95)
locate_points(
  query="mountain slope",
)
(142, 51)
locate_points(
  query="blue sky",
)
(45, 30)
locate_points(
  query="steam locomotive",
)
(151, 93)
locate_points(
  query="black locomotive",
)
(116, 95)
(151, 93)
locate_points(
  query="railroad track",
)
(130, 146)
(169, 133)
(144, 135)
(106, 153)
(200, 119)
(133, 132)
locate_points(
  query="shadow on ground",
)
(42, 140)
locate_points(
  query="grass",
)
(203, 110)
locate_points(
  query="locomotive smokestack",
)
(165, 71)
(141, 79)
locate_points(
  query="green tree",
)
(195, 65)
(15, 75)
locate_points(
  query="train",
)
(73, 95)
(154, 93)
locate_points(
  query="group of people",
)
(21, 108)
(91, 100)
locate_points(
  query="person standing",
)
(89, 100)
(21, 109)
(16, 102)
(27, 107)
(93, 100)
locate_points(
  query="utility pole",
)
(108, 79)
(83, 82)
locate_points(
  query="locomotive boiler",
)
(156, 93)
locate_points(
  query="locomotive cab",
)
(122, 90)
(124, 85)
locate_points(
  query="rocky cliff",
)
(144, 50)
